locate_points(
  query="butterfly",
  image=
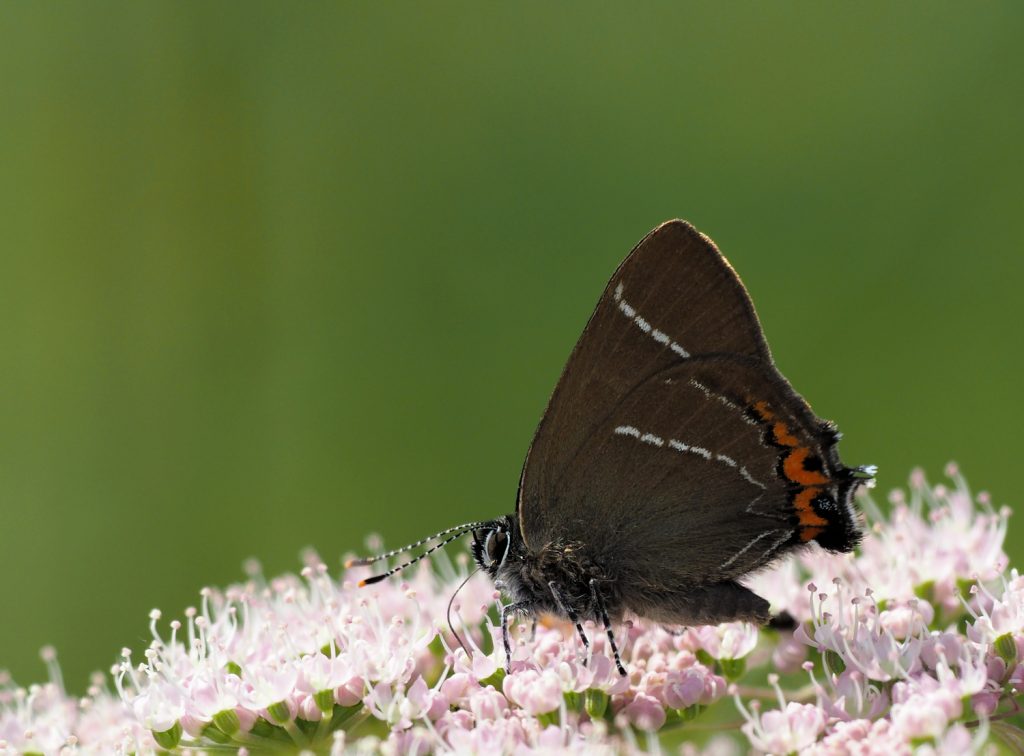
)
(672, 460)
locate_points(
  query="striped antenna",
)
(363, 562)
(432, 549)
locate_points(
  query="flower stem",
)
(805, 694)
(298, 737)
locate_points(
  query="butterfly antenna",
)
(448, 614)
(431, 550)
(363, 561)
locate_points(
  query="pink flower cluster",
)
(43, 718)
(309, 660)
(913, 641)
(915, 644)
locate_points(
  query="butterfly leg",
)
(519, 607)
(572, 615)
(599, 602)
(533, 630)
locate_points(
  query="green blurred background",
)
(278, 275)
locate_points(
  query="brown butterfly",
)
(672, 460)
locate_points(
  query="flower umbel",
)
(914, 644)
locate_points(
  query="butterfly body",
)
(560, 578)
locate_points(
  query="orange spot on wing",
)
(806, 516)
(763, 411)
(782, 435)
(793, 468)
(809, 534)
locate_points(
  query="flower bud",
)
(1006, 647)
(168, 739)
(279, 712)
(596, 703)
(227, 721)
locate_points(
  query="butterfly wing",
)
(671, 431)
(653, 314)
(711, 460)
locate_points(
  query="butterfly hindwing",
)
(686, 466)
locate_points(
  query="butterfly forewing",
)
(653, 314)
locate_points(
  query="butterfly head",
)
(493, 543)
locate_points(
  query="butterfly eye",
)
(495, 547)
